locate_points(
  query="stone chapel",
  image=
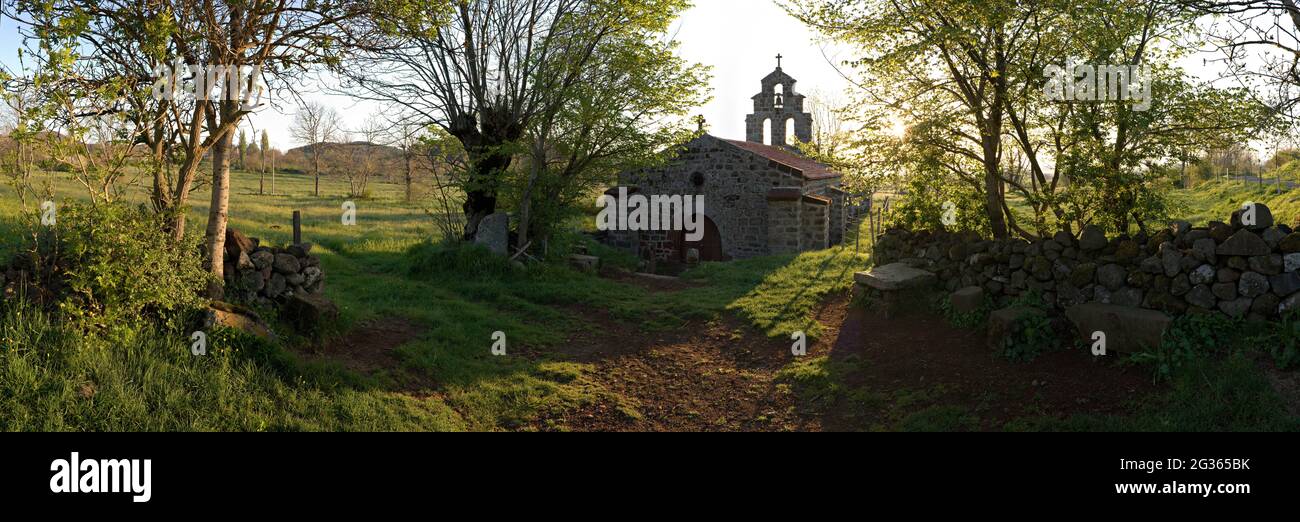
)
(761, 197)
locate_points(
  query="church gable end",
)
(759, 199)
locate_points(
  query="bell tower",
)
(778, 103)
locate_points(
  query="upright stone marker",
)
(494, 233)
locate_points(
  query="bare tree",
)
(316, 126)
(367, 154)
(829, 133)
(408, 136)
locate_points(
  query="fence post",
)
(297, 227)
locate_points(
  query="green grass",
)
(1216, 200)
(53, 377)
(1210, 395)
(387, 265)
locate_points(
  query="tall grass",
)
(56, 378)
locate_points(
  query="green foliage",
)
(1032, 334)
(117, 265)
(56, 377)
(1282, 340)
(930, 194)
(1031, 337)
(976, 318)
(1190, 338)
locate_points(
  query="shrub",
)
(976, 318)
(1032, 334)
(113, 263)
(1283, 341)
(1189, 338)
(1031, 337)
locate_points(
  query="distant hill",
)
(348, 148)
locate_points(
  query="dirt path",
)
(868, 373)
(367, 350)
(919, 364)
(909, 372)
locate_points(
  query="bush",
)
(1189, 339)
(113, 263)
(1031, 337)
(1033, 333)
(973, 319)
(1283, 341)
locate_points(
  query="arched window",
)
(789, 132)
(767, 131)
(778, 101)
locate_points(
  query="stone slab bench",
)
(893, 279)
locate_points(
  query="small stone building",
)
(759, 198)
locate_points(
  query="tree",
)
(493, 68)
(316, 126)
(266, 145)
(970, 81)
(829, 133)
(367, 155)
(408, 136)
(271, 41)
(627, 110)
(243, 148)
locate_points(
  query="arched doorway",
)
(710, 246)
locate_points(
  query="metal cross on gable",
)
(778, 60)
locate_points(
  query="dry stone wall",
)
(1231, 268)
(264, 275)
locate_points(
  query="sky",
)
(738, 38)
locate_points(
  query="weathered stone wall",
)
(265, 276)
(1237, 270)
(814, 224)
(783, 226)
(838, 215)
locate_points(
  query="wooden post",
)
(297, 227)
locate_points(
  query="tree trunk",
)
(161, 197)
(410, 171)
(185, 180)
(993, 189)
(315, 152)
(217, 215)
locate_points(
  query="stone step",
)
(896, 276)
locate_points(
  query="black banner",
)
(322, 471)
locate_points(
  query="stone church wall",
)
(783, 226)
(735, 185)
(814, 224)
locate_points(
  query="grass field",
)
(1216, 200)
(389, 266)
(147, 381)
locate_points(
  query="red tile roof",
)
(811, 170)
